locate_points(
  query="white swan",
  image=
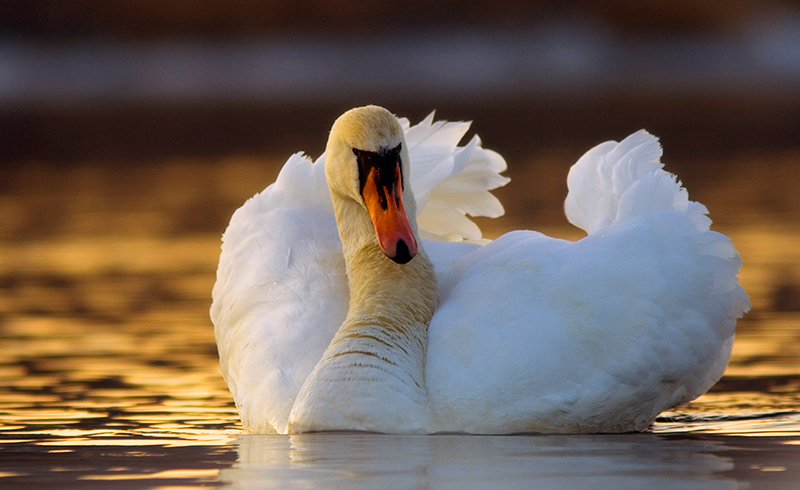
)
(523, 334)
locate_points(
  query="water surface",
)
(110, 377)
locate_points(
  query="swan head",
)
(366, 166)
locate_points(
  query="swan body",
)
(354, 293)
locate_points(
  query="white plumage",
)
(531, 333)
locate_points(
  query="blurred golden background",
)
(131, 131)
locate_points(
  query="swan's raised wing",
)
(280, 295)
(451, 181)
(615, 181)
(595, 335)
(281, 290)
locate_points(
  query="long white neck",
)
(372, 377)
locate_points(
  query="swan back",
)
(598, 335)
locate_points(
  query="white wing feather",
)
(280, 295)
(450, 182)
(602, 334)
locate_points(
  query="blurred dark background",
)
(132, 81)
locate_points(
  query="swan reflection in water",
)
(357, 460)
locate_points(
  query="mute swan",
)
(373, 328)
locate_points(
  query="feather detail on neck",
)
(371, 377)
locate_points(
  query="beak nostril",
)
(403, 255)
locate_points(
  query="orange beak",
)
(389, 218)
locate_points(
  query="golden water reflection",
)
(107, 353)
